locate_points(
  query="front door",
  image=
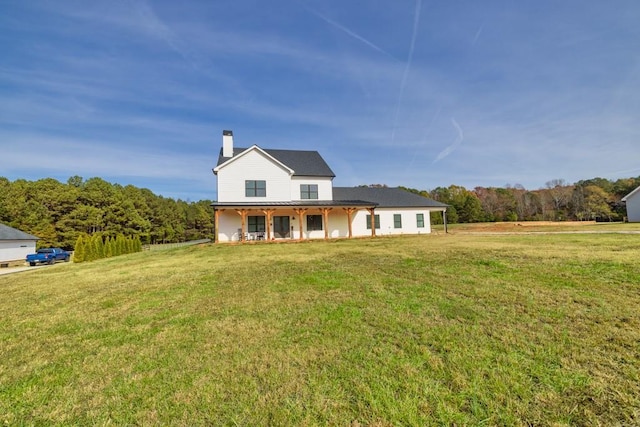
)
(281, 227)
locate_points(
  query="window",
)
(308, 191)
(314, 222)
(397, 221)
(255, 224)
(376, 219)
(255, 188)
(420, 220)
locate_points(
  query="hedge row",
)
(91, 248)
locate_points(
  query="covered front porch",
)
(242, 222)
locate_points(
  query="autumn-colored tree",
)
(596, 203)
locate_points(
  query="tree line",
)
(596, 199)
(59, 212)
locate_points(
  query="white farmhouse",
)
(633, 205)
(289, 194)
(15, 244)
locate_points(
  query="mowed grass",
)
(421, 330)
(541, 227)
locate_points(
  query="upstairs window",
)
(420, 220)
(376, 220)
(397, 221)
(255, 188)
(308, 191)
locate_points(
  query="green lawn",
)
(541, 227)
(423, 330)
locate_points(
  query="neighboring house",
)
(15, 244)
(289, 194)
(633, 205)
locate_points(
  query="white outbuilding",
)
(633, 205)
(15, 244)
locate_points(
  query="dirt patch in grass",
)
(542, 227)
(522, 225)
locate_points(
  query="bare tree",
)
(560, 194)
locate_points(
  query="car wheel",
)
(66, 259)
(52, 261)
(32, 264)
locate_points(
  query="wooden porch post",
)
(325, 218)
(216, 224)
(243, 215)
(349, 211)
(300, 213)
(269, 214)
(373, 221)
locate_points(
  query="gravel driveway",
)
(10, 270)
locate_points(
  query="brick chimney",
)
(227, 143)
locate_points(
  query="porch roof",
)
(296, 204)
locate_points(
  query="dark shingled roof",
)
(386, 197)
(9, 233)
(303, 163)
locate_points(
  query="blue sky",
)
(414, 93)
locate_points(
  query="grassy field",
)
(424, 330)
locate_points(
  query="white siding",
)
(254, 165)
(633, 207)
(14, 250)
(338, 225)
(228, 224)
(408, 216)
(325, 187)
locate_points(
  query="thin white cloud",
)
(451, 148)
(350, 32)
(405, 74)
(477, 36)
(424, 140)
(158, 28)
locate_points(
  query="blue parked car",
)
(48, 256)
